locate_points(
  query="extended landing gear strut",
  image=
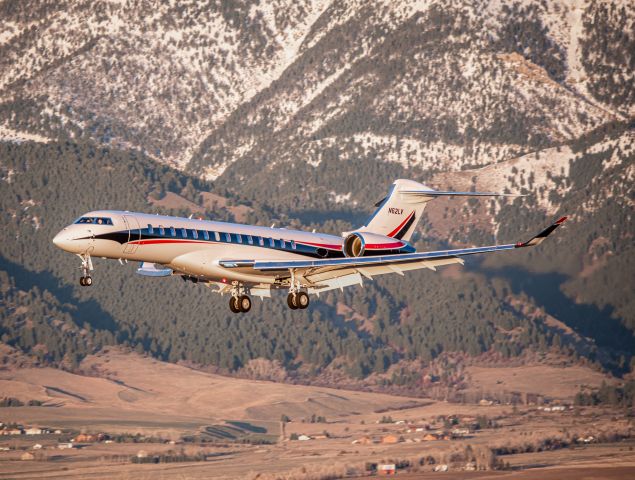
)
(297, 299)
(239, 302)
(87, 266)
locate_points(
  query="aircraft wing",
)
(327, 274)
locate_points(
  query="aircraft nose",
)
(62, 240)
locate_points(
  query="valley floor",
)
(153, 411)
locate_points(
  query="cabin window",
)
(283, 244)
(194, 234)
(272, 243)
(239, 238)
(161, 230)
(228, 237)
(261, 241)
(293, 244)
(217, 236)
(150, 229)
(173, 231)
(250, 240)
(205, 234)
(184, 233)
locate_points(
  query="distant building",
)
(390, 439)
(64, 445)
(142, 454)
(387, 469)
(37, 446)
(27, 456)
(365, 440)
(33, 431)
(304, 437)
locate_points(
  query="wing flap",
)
(364, 262)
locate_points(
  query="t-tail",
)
(397, 215)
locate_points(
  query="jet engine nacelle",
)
(364, 244)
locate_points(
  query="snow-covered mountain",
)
(439, 85)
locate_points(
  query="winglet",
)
(538, 239)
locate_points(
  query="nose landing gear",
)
(87, 266)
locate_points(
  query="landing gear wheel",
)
(244, 302)
(302, 300)
(291, 301)
(234, 306)
(82, 281)
(88, 281)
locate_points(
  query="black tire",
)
(82, 282)
(302, 300)
(88, 281)
(233, 305)
(244, 303)
(291, 302)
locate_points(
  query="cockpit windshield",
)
(95, 220)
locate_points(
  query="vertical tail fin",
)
(397, 215)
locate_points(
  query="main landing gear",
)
(239, 302)
(297, 299)
(87, 266)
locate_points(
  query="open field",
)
(212, 422)
(555, 382)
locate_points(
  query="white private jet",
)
(246, 260)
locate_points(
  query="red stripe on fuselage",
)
(394, 232)
(167, 240)
(383, 246)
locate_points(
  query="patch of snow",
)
(549, 164)
(10, 135)
(213, 172)
(340, 197)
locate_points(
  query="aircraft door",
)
(134, 233)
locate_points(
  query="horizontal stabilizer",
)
(436, 193)
(151, 270)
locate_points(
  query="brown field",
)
(128, 393)
(555, 382)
